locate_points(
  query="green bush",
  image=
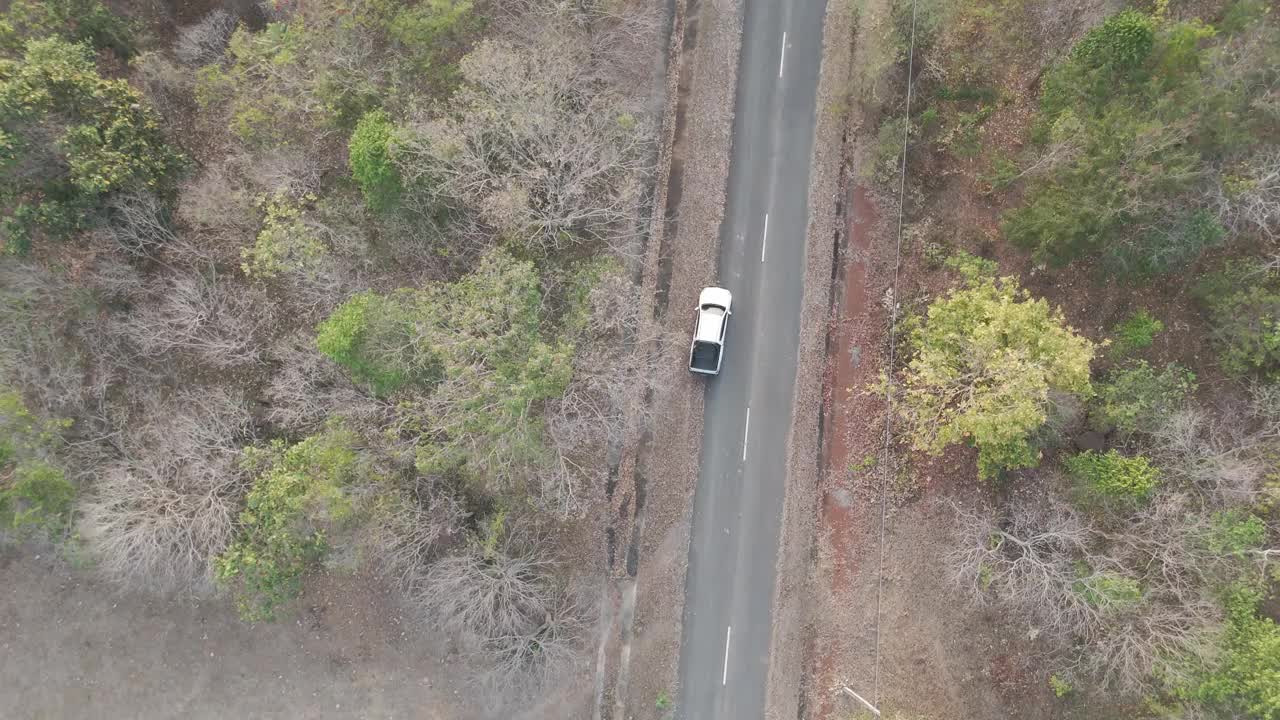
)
(1122, 42)
(34, 493)
(1061, 688)
(375, 338)
(37, 496)
(285, 243)
(1110, 591)
(1137, 398)
(1112, 476)
(297, 497)
(1136, 332)
(887, 160)
(104, 139)
(1235, 533)
(984, 361)
(1243, 304)
(371, 164)
(1246, 678)
(1165, 247)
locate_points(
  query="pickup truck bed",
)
(705, 357)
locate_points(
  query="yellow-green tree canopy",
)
(985, 359)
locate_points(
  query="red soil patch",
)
(848, 378)
(847, 423)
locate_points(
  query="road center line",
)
(746, 434)
(764, 242)
(728, 635)
(782, 59)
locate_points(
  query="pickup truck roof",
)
(709, 324)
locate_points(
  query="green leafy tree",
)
(984, 362)
(296, 499)
(77, 21)
(1137, 398)
(69, 138)
(1131, 125)
(1112, 476)
(371, 162)
(297, 76)
(474, 356)
(498, 370)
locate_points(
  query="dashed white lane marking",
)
(746, 434)
(728, 635)
(764, 242)
(782, 58)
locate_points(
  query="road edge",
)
(694, 167)
(788, 641)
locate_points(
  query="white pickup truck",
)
(708, 336)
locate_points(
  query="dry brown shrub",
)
(157, 516)
(503, 603)
(205, 316)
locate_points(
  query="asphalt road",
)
(738, 500)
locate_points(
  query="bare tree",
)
(412, 529)
(616, 366)
(1217, 455)
(201, 314)
(206, 40)
(1253, 202)
(308, 388)
(289, 171)
(166, 84)
(37, 323)
(138, 223)
(1031, 559)
(501, 601)
(218, 199)
(1137, 600)
(535, 148)
(156, 517)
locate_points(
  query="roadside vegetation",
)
(1089, 305)
(333, 287)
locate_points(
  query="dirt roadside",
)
(71, 647)
(791, 588)
(897, 633)
(653, 495)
